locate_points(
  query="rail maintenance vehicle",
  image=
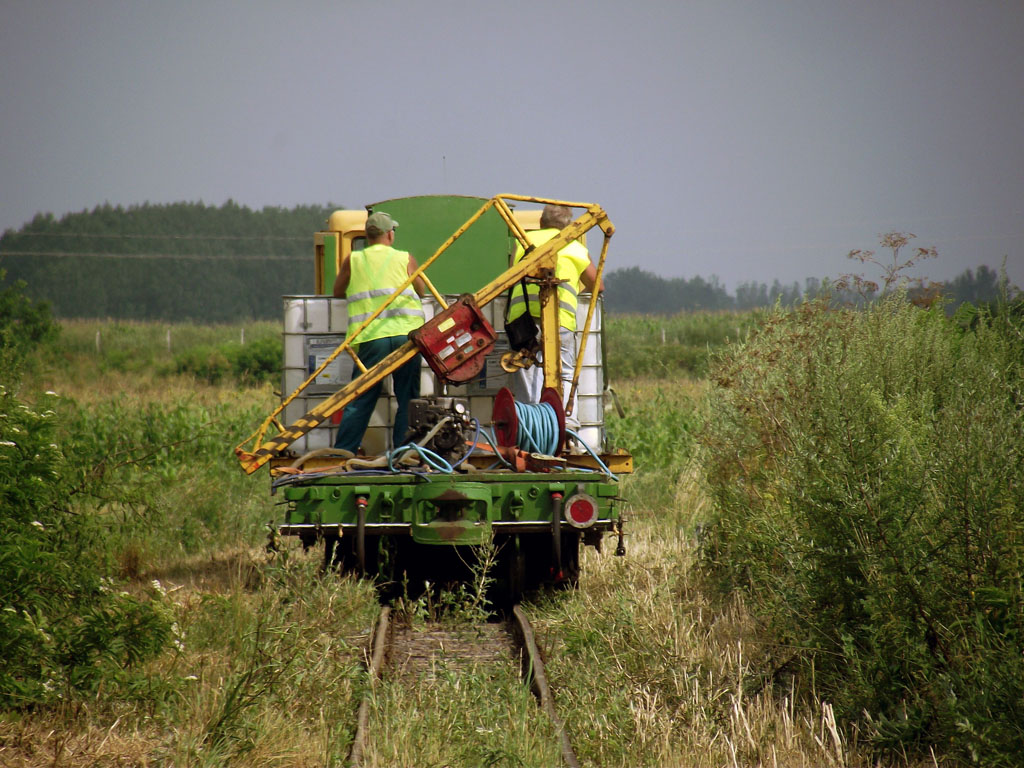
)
(479, 477)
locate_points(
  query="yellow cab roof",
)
(346, 221)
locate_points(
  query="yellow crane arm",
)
(538, 263)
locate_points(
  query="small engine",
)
(445, 420)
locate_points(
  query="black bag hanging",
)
(521, 332)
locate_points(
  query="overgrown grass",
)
(265, 671)
(460, 713)
(672, 346)
(648, 673)
(276, 661)
(263, 665)
(160, 475)
(249, 353)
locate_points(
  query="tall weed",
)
(161, 476)
(867, 476)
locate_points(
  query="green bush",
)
(867, 476)
(251, 363)
(658, 429)
(63, 629)
(24, 324)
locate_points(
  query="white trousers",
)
(528, 383)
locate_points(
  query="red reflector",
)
(581, 511)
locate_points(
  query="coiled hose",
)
(538, 428)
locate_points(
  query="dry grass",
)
(267, 672)
(90, 388)
(648, 672)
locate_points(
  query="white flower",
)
(8, 444)
(37, 524)
(159, 587)
(51, 393)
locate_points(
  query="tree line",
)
(175, 262)
(190, 261)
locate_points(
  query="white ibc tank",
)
(314, 326)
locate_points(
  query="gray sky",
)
(748, 140)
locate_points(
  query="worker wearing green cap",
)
(367, 278)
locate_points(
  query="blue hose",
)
(488, 435)
(591, 452)
(538, 428)
(430, 458)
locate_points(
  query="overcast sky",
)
(748, 140)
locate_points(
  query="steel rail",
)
(533, 673)
(532, 670)
(374, 669)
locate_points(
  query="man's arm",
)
(419, 284)
(589, 279)
(341, 281)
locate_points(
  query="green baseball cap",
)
(379, 223)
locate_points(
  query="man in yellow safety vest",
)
(575, 268)
(367, 278)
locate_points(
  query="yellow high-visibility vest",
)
(572, 261)
(375, 274)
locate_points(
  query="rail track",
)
(403, 654)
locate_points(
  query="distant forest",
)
(203, 263)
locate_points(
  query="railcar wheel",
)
(540, 567)
(570, 561)
(510, 579)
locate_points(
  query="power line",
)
(163, 237)
(182, 256)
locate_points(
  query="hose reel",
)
(531, 427)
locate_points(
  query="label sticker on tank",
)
(445, 325)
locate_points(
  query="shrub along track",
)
(405, 656)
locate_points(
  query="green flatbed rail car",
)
(387, 515)
(404, 528)
(429, 512)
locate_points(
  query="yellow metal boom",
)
(538, 264)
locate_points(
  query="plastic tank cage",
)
(315, 325)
